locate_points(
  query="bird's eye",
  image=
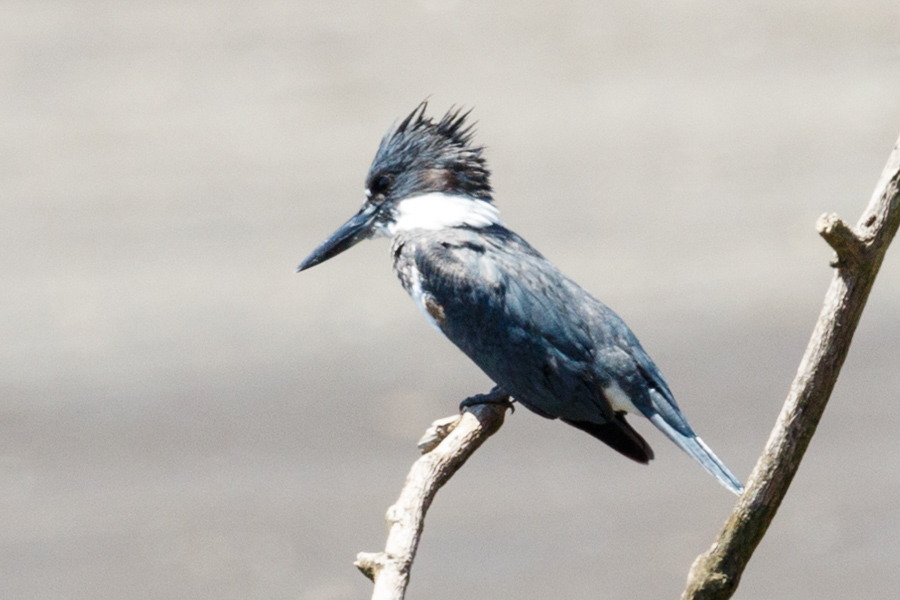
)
(381, 184)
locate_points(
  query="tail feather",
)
(699, 451)
(618, 435)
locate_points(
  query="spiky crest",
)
(428, 156)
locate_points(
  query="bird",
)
(537, 334)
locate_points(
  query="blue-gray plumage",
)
(543, 339)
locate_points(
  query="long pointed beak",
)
(358, 228)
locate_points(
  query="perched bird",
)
(538, 335)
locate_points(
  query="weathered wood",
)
(716, 573)
(461, 436)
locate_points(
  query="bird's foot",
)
(495, 396)
(441, 428)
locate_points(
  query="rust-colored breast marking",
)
(435, 310)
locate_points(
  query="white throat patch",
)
(438, 210)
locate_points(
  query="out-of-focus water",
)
(181, 416)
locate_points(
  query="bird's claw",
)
(495, 396)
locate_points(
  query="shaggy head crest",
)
(421, 155)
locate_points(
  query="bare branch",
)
(446, 446)
(716, 573)
(840, 236)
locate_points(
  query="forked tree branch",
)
(446, 447)
(716, 573)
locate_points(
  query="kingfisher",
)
(537, 334)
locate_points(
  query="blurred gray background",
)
(181, 416)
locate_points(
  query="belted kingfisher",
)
(543, 339)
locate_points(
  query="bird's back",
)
(531, 329)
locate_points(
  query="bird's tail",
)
(699, 451)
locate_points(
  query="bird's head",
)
(426, 174)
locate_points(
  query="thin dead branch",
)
(447, 445)
(716, 573)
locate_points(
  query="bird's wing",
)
(517, 317)
(549, 343)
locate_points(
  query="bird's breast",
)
(433, 311)
(411, 279)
